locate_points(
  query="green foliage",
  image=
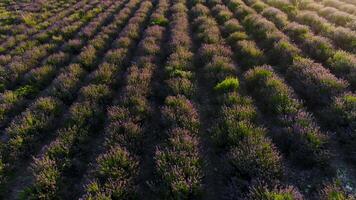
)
(224, 16)
(237, 36)
(117, 163)
(335, 191)
(232, 26)
(278, 192)
(181, 86)
(255, 158)
(160, 21)
(178, 164)
(88, 57)
(175, 111)
(12, 97)
(46, 178)
(96, 93)
(180, 73)
(249, 54)
(229, 84)
(259, 6)
(84, 114)
(272, 90)
(29, 19)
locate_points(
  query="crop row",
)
(79, 128)
(346, 7)
(33, 56)
(61, 154)
(16, 43)
(341, 63)
(315, 139)
(325, 85)
(178, 162)
(33, 51)
(279, 100)
(306, 140)
(309, 79)
(178, 99)
(34, 81)
(250, 154)
(116, 169)
(14, 22)
(15, 122)
(333, 15)
(343, 38)
(7, 19)
(349, 1)
(63, 88)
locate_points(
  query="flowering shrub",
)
(334, 191)
(253, 157)
(279, 18)
(314, 82)
(249, 153)
(175, 111)
(299, 134)
(263, 192)
(232, 25)
(176, 162)
(343, 64)
(250, 52)
(150, 99)
(26, 129)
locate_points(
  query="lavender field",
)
(178, 99)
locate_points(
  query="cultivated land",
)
(178, 99)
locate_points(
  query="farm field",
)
(178, 99)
